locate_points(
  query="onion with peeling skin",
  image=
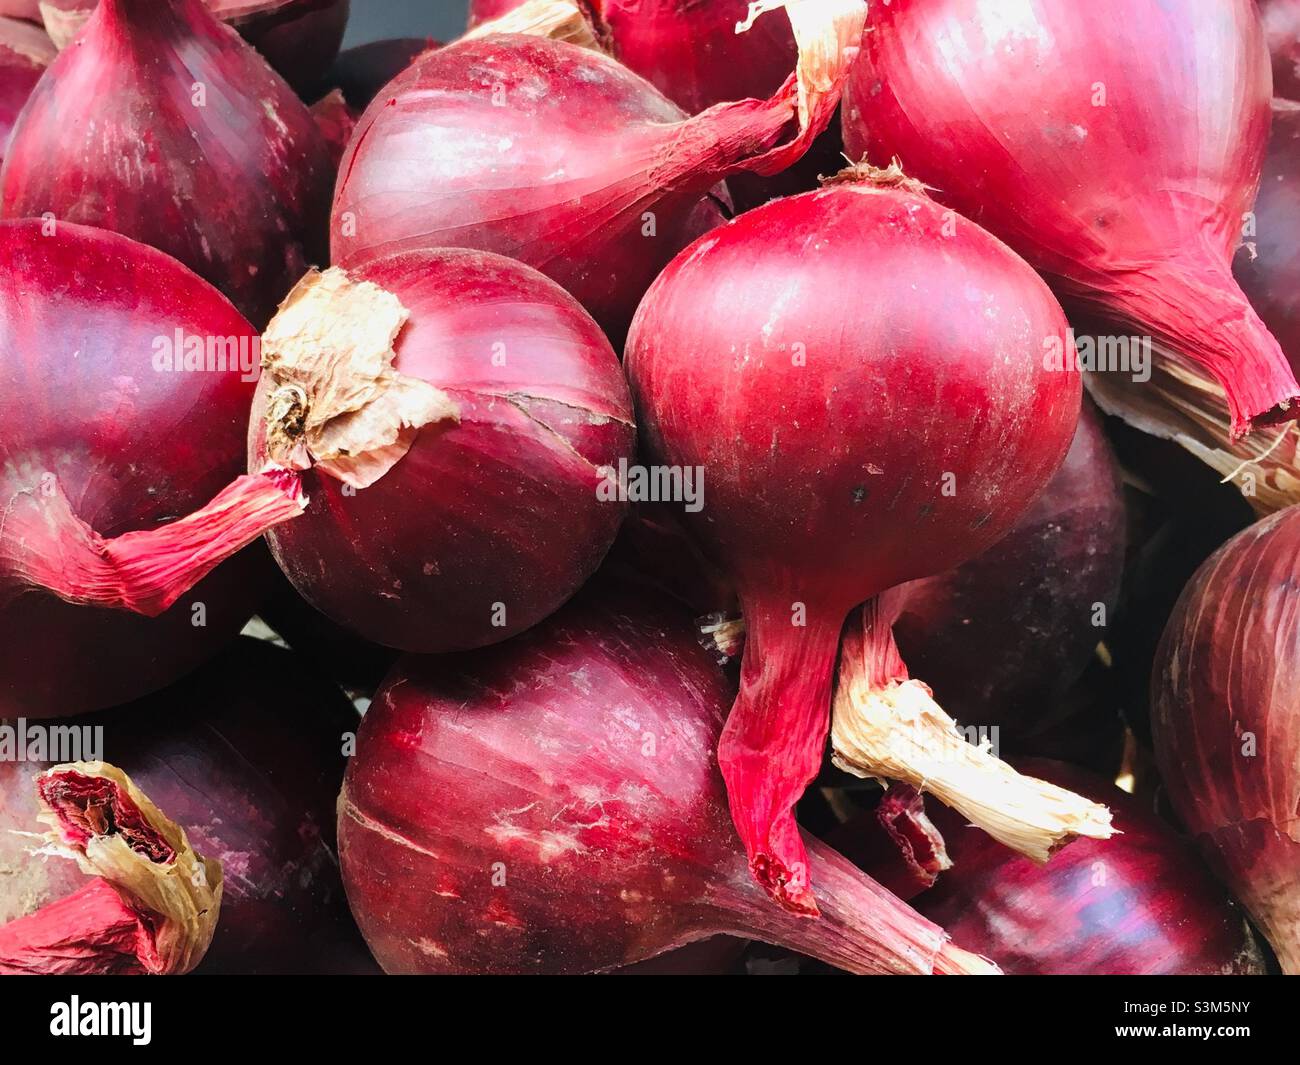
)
(1039, 125)
(455, 411)
(226, 170)
(25, 52)
(246, 756)
(1141, 904)
(1223, 721)
(563, 158)
(554, 805)
(153, 903)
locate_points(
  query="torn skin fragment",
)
(153, 905)
(558, 20)
(335, 402)
(888, 726)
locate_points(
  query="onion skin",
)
(247, 757)
(120, 442)
(1081, 189)
(1141, 904)
(1002, 637)
(1282, 26)
(1223, 725)
(501, 508)
(553, 805)
(25, 52)
(855, 458)
(560, 157)
(243, 199)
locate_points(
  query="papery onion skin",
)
(1001, 637)
(1224, 725)
(826, 458)
(246, 756)
(236, 187)
(1282, 26)
(1038, 125)
(553, 805)
(1140, 904)
(25, 52)
(483, 528)
(30, 10)
(561, 157)
(81, 400)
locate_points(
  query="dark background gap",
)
(374, 20)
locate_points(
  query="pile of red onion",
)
(613, 492)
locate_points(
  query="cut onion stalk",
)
(888, 726)
(558, 20)
(153, 905)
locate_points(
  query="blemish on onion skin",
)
(429, 948)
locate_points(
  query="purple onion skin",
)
(1225, 730)
(246, 756)
(1140, 904)
(488, 526)
(1268, 264)
(362, 72)
(237, 189)
(1003, 636)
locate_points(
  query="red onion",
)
(224, 167)
(553, 805)
(101, 446)
(299, 38)
(361, 72)
(1038, 124)
(246, 756)
(561, 157)
(1282, 26)
(1001, 638)
(25, 52)
(153, 902)
(457, 470)
(895, 842)
(813, 358)
(1141, 904)
(23, 9)
(1224, 724)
